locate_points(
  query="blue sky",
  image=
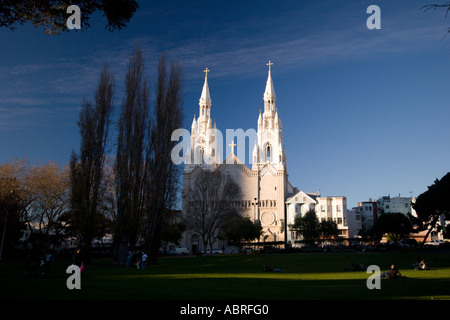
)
(365, 113)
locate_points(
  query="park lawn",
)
(315, 276)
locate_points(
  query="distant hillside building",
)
(368, 210)
(326, 208)
(399, 204)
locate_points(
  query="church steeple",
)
(205, 105)
(269, 142)
(205, 99)
(203, 141)
(269, 94)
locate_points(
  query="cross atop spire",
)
(269, 64)
(206, 72)
(232, 145)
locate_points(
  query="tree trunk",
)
(433, 224)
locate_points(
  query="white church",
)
(265, 193)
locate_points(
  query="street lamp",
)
(255, 214)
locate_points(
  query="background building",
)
(399, 204)
(368, 210)
(326, 208)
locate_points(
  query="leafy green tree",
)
(394, 225)
(431, 204)
(172, 228)
(328, 229)
(240, 229)
(307, 226)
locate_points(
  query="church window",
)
(269, 152)
(322, 208)
(200, 154)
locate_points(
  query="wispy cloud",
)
(64, 81)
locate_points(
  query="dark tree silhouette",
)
(438, 6)
(131, 165)
(51, 14)
(163, 173)
(434, 202)
(87, 167)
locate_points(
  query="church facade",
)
(261, 192)
(262, 189)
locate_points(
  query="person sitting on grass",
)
(359, 267)
(269, 269)
(422, 266)
(393, 273)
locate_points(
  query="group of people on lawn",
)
(139, 262)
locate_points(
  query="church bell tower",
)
(203, 137)
(269, 142)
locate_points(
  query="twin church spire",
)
(263, 150)
(204, 119)
(205, 99)
(269, 94)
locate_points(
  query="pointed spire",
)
(205, 98)
(269, 94)
(194, 125)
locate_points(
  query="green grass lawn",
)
(320, 276)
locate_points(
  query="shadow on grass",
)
(314, 277)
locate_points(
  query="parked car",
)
(214, 251)
(409, 242)
(181, 250)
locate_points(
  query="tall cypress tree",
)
(87, 166)
(131, 174)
